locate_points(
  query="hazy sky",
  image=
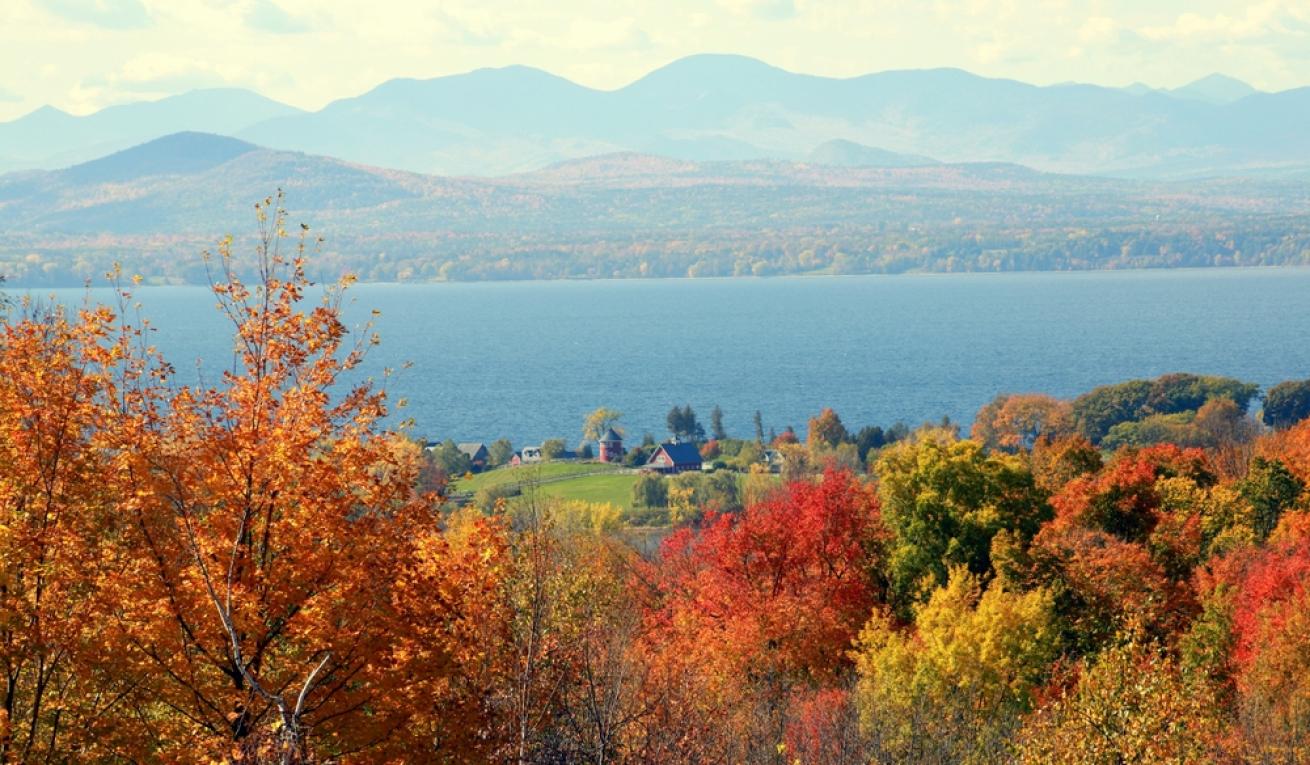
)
(81, 55)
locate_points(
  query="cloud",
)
(268, 16)
(159, 74)
(1098, 29)
(8, 96)
(1260, 20)
(771, 10)
(595, 35)
(107, 14)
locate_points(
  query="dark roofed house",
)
(477, 454)
(674, 458)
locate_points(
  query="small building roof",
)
(681, 453)
(471, 448)
(611, 435)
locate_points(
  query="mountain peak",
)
(709, 66)
(1215, 88)
(175, 154)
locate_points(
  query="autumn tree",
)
(954, 687)
(62, 379)
(1016, 422)
(943, 501)
(1130, 704)
(265, 519)
(600, 421)
(756, 605)
(826, 431)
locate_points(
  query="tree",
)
(500, 452)
(826, 431)
(1130, 705)
(1016, 422)
(759, 427)
(954, 688)
(1271, 490)
(566, 683)
(599, 422)
(650, 490)
(450, 459)
(553, 448)
(58, 513)
(683, 425)
(251, 595)
(1099, 410)
(943, 501)
(716, 424)
(1287, 403)
(757, 604)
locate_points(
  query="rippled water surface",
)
(527, 360)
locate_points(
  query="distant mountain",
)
(708, 108)
(841, 153)
(1215, 89)
(177, 154)
(154, 207)
(714, 107)
(49, 138)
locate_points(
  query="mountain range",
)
(518, 119)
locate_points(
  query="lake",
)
(526, 360)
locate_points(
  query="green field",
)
(615, 489)
(526, 475)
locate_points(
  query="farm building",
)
(674, 458)
(477, 454)
(611, 447)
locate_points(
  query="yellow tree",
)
(953, 688)
(1130, 705)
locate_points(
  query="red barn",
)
(674, 458)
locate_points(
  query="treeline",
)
(244, 571)
(769, 250)
(960, 219)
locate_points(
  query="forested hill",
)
(155, 206)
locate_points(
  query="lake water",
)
(527, 360)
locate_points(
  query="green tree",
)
(552, 448)
(449, 458)
(759, 427)
(650, 490)
(1287, 403)
(1099, 410)
(1270, 489)
(500, 452)
(599, 421)
(716, 424)
(683, 424)
(944, 500)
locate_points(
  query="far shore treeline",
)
(252, 569)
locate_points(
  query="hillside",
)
(154, 207)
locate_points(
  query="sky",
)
(82, 55)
